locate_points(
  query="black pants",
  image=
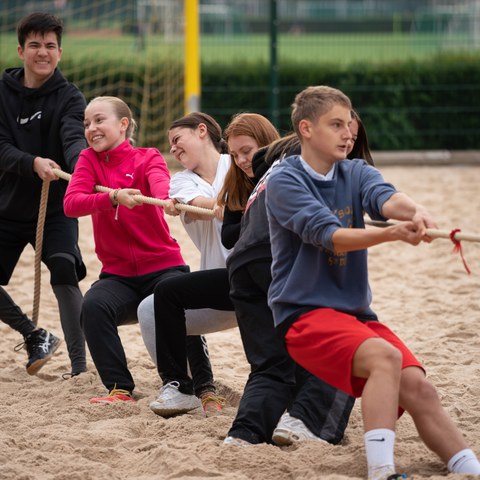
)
(113, 301)
(276, 383)
(61, 255)
(174, 295)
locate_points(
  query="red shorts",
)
(324, 342)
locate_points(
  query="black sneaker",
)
(40, 345)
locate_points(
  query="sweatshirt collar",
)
(13, 78)
(313, 173)
(116, 155)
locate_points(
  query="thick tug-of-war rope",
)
(455, 235)
(41, 223)
(143, 198)
(38, 250)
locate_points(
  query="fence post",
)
(192, 56)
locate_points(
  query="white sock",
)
(379, 445)
(464, 462)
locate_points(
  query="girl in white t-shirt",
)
(196, 141)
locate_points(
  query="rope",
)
(457, 248)
(434, 233)
(453, 235)
(38, 250)
(143, 198)
(41, 222)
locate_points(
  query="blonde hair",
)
(314, 102)
(237, 186)
(121, 110)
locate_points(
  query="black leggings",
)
(276, 383)
(172, 296)
(113, 301)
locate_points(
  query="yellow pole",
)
(192, 57)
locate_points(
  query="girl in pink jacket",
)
(132, 239)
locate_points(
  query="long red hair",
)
(237, 186)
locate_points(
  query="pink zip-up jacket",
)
(128, 242)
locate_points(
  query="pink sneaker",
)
(212, 403)
(115, 395)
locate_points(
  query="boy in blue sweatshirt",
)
(315, 205)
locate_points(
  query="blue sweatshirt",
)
(303, 213)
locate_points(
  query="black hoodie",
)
(45, 122)
(253, 243)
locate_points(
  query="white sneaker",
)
(384, 472)
(291, 430)
(170, 401)
(236, 442)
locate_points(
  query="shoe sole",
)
(283, 438)
(237, 442)
(171, 411)
(37, 365)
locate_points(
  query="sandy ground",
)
(50, 431)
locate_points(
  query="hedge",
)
(432, 104)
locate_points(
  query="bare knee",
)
(376, 355)
(418, 395)
(393, 357)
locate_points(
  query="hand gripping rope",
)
(41, 224)
(455, 236)
(143, 198)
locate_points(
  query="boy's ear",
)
(305, 128)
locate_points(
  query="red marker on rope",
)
(457, 247)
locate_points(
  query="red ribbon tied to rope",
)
(457, 247)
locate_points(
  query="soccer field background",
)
(307, 48)
(135, 49)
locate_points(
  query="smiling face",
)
(103, 129)
(242, 148)
(40, 56)
(185, 144)
(326, 140)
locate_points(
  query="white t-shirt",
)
(205, 234)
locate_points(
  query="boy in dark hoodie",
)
(41, 128)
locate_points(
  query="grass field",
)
(156, 85)
(313, 48)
